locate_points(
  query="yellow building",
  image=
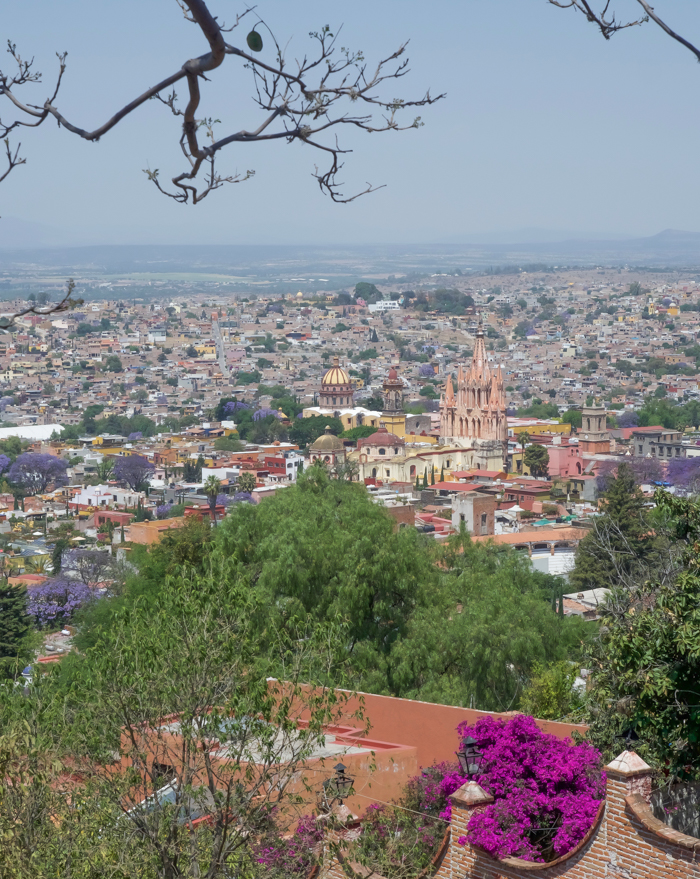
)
(538, 426)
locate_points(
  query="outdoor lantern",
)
(339, 786)
(469, 757)
(629, 736)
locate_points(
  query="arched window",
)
(374, 472)
(447, 463)
(382, 451)
(413, 470)
(327, 459)
(396, 451)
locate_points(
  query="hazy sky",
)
(545, 125)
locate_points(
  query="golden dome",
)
(336, 375)
(327, 442)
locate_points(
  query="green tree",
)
(537, 460)
(477, 639)
(218, 688)
(646, 663)
(360, 432)
(246, 481)
(574, 417)
(228, 444)
(105, 468)
(59, 548)
(550, 694)
(621, 544)
(113, 364)
(15, 630)
(212, 488)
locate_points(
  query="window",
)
(382, 451)
(396, 451)
(388, 473)
(462, 517)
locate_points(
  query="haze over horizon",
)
(548, 132)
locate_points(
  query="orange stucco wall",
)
(430, 728)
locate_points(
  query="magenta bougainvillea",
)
(546, 790)
(292, 855)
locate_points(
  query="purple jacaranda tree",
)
(646, 470)
(628, 419)
(136, 435)
(605, 473)
(90, 566)
(684, 474)
(163, 511)
(55, 601)
(243, 497)
(259, 414)
(162, 400)
(4, 463)
(134, 471)
(426, 369)
(34, 472)
(234, 406)
(5, 402)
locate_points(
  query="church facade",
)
(474, 414)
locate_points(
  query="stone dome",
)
(336, 375)
(327, 442)
(336, 388)
(382, 438)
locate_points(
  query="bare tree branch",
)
(608, 25)
(293, 108)
(65, 304)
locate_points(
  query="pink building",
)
(565, 459)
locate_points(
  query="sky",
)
(547, 131)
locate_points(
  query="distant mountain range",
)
(671, 248)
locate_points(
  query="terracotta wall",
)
(431, 729)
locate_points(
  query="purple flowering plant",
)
(546, 790)
(292, 855)
(402, 839)
(56, 601)
(234, 406)
(265, 412)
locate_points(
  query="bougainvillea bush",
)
(400, 840)
(293, 855)
(546, 790)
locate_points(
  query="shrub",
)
(546, 790)
(293, 855)
(401, 840)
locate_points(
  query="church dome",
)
(327, 442)
(382, 438)
(336, 375)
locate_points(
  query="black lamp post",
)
(339, 786)
(469, 757)
(629, 736)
